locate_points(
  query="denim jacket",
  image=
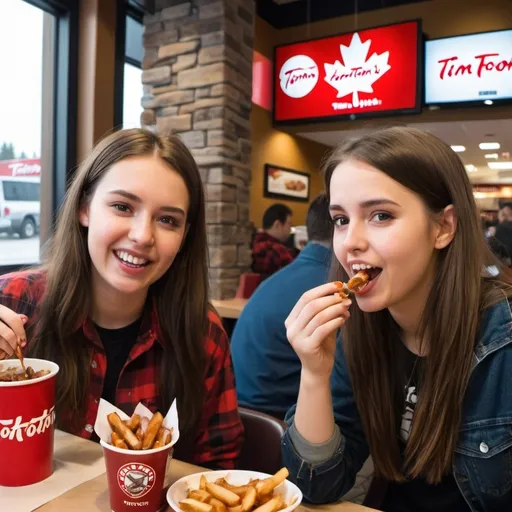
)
(482, 464)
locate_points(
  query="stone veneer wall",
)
(198, 83)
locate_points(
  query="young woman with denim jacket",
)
(423, 379)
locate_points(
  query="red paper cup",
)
(27, 416)
(136, 478)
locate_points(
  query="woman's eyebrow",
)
(370, 203)
(137, 199)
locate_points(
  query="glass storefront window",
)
(26, 91)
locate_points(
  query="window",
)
(39, 66)
(132, 81)
(21, 147)
(132, 96)
(20, 191)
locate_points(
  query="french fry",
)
(249, 499)
(263, 499)
(190, 505)
(238, 508)
(139, 434)
(118, 442)
(151, 432)
(200, 495)
(133, 423)
(239, 490)
(217, 505)
(144, 422)
(280, 502)
(269, 506)
(269, 484)
(123, 431)
(222, 494)
(202, 482)
(163, 437)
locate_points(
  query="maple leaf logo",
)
(356, 74)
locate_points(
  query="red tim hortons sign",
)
(369, 72)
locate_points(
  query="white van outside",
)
(20, 205)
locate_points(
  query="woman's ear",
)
(447, 227)
(83, 215)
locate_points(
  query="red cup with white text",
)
(27, 417)
(136, 477)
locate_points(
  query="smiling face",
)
(384, 225)
(136, 224)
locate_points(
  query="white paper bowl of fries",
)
(234, 491)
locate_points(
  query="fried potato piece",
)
(133, 423)
(226, 496)
(117, 426)
(152, 431)
(217, 505)
(200, 495)
(190, 505)
(269, 484)
(249, 499)
(118, 442)
(358, 281)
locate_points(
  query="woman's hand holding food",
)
(12, 331)
(311, 329)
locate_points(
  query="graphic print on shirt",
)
(411, 399)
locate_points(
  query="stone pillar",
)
(198, 83)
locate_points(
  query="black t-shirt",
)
(117, 344)
(417, 495)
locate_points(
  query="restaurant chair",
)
(262, 446)
(249, 281)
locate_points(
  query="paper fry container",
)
(135, 477)
(27, 416)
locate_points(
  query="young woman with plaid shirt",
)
(121, 303)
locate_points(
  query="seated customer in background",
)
(269, 252)
(267, 370)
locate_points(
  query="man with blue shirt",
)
(267, 369)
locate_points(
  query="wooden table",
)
(92, 496)
(229, 308)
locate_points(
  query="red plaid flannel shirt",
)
(219, 435)
(269, 254)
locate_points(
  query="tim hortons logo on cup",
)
(298, 76)
(135, 479)
(17, 430)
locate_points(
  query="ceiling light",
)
(489, 145)
(492, 156)
(470, 168)
(458, 149)
(500, 166)
(488, 102)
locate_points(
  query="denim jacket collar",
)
(495, 331)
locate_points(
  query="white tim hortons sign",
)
(475, 67)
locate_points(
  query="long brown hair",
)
(450, 321)
(181, 294)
